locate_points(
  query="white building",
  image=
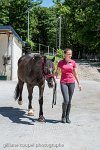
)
(10, 52)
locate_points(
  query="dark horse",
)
(34, 70)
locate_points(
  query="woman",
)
(67, 66)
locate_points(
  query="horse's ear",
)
(53, 59)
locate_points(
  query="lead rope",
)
(54, 93)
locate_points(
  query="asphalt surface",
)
(21, 132)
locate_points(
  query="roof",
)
(11, 30)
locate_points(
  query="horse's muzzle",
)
(50, 84)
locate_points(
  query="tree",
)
(14, 13)
(45, 31)
(4, 12)
(80, 28)
(84, 22)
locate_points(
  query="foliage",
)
(31, 44)
(4, 12)
(83, 24)
(80, 23)
(60, 53)
(45, 32)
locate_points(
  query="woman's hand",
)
(56, 74)
(55, 77)
(80, 88)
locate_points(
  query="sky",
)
(47, 3)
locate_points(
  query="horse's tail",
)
(16, 95)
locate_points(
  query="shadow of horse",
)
(17, 115)
(98, 70)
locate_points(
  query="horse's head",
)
(49, 70)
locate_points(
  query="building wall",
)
(3, 50)
(16, 54)
(12, 49)
(8, 66)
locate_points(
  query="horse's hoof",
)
(41, 119)
(20, 102)
(30, 112)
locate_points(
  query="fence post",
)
(48, 50)
(53, 52)
(39, 48)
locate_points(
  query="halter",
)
(49, 76)
(45, 74)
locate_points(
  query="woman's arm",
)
(77, 78)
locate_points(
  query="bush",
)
(31, 44)
(60, 53)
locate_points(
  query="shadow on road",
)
(98, 70)
(16, 115)
(52, 121)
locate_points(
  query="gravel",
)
(88, 71)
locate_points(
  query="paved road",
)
(21, 132)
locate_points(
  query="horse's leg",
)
(20, 83)
(41, 90)
(30, 91)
